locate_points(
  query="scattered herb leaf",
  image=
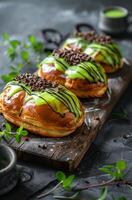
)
(103, 194)
(6, 36)
(25, 55)
(8, 133)
(116, 170)
(65, 181)
(120, 115)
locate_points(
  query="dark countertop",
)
(20, 18)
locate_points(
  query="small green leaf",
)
(6, 36)
(11, 53)
(38, 47)
(122, 198)
(14, 43)
(20, 133)
(8, 127)
(121, 165)
(8, 77)
(24, 133)
(25, 55)
(32, 39)
(103, 194)
(18, 138)
(68, 181)
(60, 176)
(106, 170)
(26, 46)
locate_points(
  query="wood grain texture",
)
(67, 152)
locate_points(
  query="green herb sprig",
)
(115, 170)
(7, 133)
(21, 53)
(64, 181)
(122, 114)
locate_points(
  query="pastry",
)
(100, 47)
(76, 71)
(41, 107)
(79, 40)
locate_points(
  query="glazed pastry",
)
(41, 107)
(79, 40)
(104, 51)
(101, 48)
(76, 71)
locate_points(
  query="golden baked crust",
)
(83, 88)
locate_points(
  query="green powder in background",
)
(115, 13)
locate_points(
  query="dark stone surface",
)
(20, 18)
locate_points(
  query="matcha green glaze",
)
(54, 97)
(114, 13)
(59, 63)
(87, 71)
(13, 90)
(106, 53)
(77, 42)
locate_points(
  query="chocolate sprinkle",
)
(36, 83)
(71, 56)
(92, 37)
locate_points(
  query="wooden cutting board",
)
(67, 152)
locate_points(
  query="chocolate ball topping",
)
(92, 37)
(71, 56)
(34, 82)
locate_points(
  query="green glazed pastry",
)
(40, 106)
(101, 48)
(75, 70)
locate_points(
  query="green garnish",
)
(115, 170)
(21, 53)
(7, 133)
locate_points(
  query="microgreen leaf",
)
(121, 165)
(20, 133)
(103, 194)
(8, 133)
(25, 55)
(6, 36)
(68, 181)
(11, 53)
(32, 39)
(8, 127)
(116, 170)
(14, 43)
(38, 47)
(8, 77)
(60, 176)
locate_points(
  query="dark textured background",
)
(20, 18)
